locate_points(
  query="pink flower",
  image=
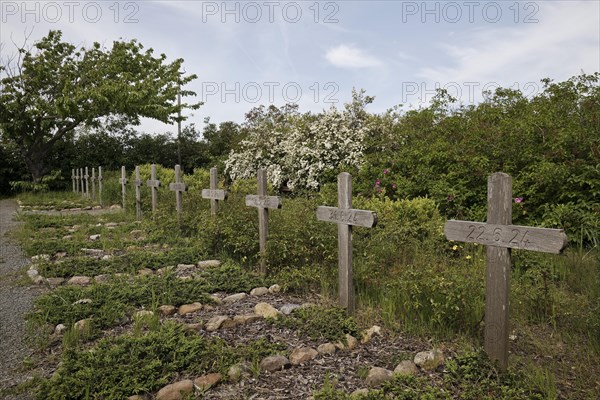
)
(518, 200)
(394, 186)
(386, 171)
(377, 183)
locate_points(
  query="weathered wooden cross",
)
(500, 236)
(100, 185)
(153, 183)
(178, 187)
(87, 183)
(138, 193)
(345, 216)
(123, 182)
(214, 194)
(93, 183)
(73, 177)
(81, 181)
(263, 203)
(76, 183)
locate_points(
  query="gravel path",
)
(15, 301)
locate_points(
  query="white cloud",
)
(562, 44)
(344, 56)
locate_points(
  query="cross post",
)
(76, 176)
(178, 187)
(82, 182)
(263, 202)
(100, 185)
(123, 182)
(214, 194)
(87, 183)
(138, 193)
(153, 183)
(345, 217)
(73, 179)
(93, 183)
(499, 236)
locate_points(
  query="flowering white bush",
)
(298, 149)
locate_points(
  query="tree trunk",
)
(34, 160)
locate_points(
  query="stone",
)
(378, 375)
(215, 322)
(369, 333)
(111, 224)
(39, 280)
(274, 288)
(189, 308)
(164, 271)
(137, 397)
(55, 281)
(82, 324)
(106, 257)
(67, 237)
(215, 299)
(95, 237)
(326, 348)
(143, 313)
(429, 360)
(287, 309)
(167, 310)
(60, 254)
(82, 301)
(194, 327)
(239, 371)
(80, 281)
(40, 257)
(102, 278)
(115, 207)
(93, 252)
(246, 318)
(32, 273)
(266, 310)
(406, 367)
(207, 381)
(234, 298)
(59, 329)
(145, 272)
(350, 344)
(184, 268)
(209, 264)
(176, 391)
(230, 323)
(302, 354)
(259, 291)
(274, 363)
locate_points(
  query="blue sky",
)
(248, 53)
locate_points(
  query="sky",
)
(251, 53)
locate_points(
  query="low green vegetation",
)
(317, 323)
(121, 366)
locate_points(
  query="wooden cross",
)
(153, 183)
(138, 193)
(73, 177)
(500, 236)
(263, 203)
(213, 193)
(123, 182)
(94, 183)
(81, 182)
(178, 187)
(87, 183)
(100, 185)
(76, 183)
(345, 216)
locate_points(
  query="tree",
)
(48, 91)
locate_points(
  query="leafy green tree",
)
(53, 88)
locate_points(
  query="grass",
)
(317, 323)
